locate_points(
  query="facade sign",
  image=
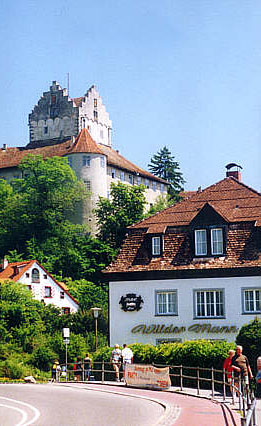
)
(131, 302)
(172, 329)
(147, 376)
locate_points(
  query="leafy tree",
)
(163, 165)
(125, 207)
(35, 206)
(160, 204)
(249, 337)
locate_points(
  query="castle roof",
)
(11, 157)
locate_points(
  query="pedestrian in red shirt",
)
(228, 367)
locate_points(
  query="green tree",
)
(125, 207)
(35, 206)
(163, 165)
(249, 337)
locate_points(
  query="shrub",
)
(249, 337)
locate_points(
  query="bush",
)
(249, 337)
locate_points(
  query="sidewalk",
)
(204, 394)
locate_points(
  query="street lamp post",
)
(66, 340)
(95, 312)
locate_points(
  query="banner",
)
(147, 376)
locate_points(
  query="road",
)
(90, 404)
(55, 405)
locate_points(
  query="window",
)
(69, 161)
(209, 304)
(156, 246)
(95, 115)
(131, 179)
(138, 180)
(216, 241)
(209, 242)
(86, 160)
(108, 194)
(45, 130)
(166, 302)
(45, 276)
(35, 276)
(161, 187)
(252, 301)
(95, 103)
(122, 176)
(27, 274)
(147, 184)
(66, 311)
(61, 294)
(154, 186)
(201, 242)
(102, 162)
(53, 99)
(113, 173)
(47, 292)
(87, 184)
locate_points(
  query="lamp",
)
(96, 312)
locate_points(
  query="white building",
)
(191, 271)
(42, 285)
(79, 129)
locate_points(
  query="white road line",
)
(35, 410)
(24, 415)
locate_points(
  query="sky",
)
(185, 74)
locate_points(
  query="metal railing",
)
(198, 378)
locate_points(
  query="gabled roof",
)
(231, 199)
(15, 270)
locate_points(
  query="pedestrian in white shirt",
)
(127, 358)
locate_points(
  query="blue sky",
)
(180, 73)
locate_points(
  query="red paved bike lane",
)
(186, 410)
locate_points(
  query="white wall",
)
(121, 323)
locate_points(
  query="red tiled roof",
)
(84, 143)
(233, 200)
(15, 270)
(237, 204)
(11, 157)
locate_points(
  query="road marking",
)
(24, 415)
(35, 411)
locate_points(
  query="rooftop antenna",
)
(68, 82)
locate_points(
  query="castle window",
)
(166, 302)
(45, 130)
(95, 114)
(138, 180)
(122, 176)
(87, 184)
(86, 160)
(53, 99)
(161, 187)
(47, 292)
(209, 304)
(147, 184)
(113, 173)
(131, 179)
(102, 162)
(35, 276)
(154, 186)
(252, 301)
(95, 103)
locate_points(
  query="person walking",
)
(79, 368)
(87, 366)
(116, 361)
(55, 371)
(228, 368)
(241, 367)
(127, 358)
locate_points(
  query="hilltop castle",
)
(80, 130)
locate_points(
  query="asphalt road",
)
(56, 405)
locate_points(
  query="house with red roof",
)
(191, 271)
(43, 286)
(80, 130)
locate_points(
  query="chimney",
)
(4, 146)
(234, 173)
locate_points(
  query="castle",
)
(80, 130)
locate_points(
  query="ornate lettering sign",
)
(172, 329)
(131, 302)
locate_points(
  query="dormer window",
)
(156, 246)
(35, 276)
(209, 241)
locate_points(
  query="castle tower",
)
(57, 117)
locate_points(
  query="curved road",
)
(56, 405)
